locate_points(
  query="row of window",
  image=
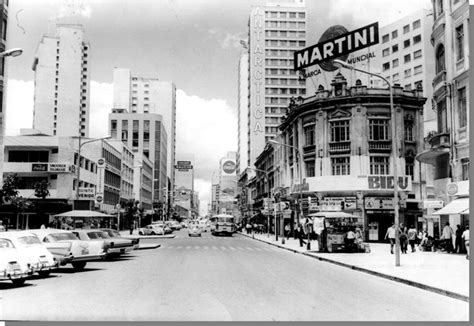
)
(285, 91)
(284, 14)
(279, 62)
(284, 81)
(280, 72)
(85, 163)
(406, 29)
(406, 44)
(275, 110)
(292, 34)
(284, 24)
(417, 69)
(285, 43)
(271, 130)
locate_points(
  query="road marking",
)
(196, 247)
(248, 248)
(240, 248)
(179, 247)
(188, 247)
(206, 247)
(214, 247)
(258, 249)
(223, 248)
(232, 248)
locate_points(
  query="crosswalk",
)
(218, 248)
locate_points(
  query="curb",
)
(146, 247)
(422, 286)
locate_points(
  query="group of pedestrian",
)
(405, 235)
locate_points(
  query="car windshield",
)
(5, 243)
(225, 219)
(115, 233)
(29, 240)
(96, 235)
(63, 236)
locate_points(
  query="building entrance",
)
(378, 223)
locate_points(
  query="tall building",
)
(243, 109)
(227, 185)
(276, 30)
(184, 193)
(149, 95)
(3, 35)
(448, 143)
(62, 82)
(144, 133)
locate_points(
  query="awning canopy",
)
(457, 206)
(332, 215)
(83, 213)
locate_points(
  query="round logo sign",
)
(452, 189)
(100, 162)
(99, 198)
(330, 33)
(229, 167)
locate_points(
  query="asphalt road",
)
(220, 279)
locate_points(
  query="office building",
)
(62, 83)
(242, 160)
(184, 194)
(276, 30)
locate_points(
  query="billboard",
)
(229, 167)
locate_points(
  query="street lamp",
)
(15, 52)
(342, 64)
(300, 214)
(79, 159)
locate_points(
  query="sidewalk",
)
(439, 272)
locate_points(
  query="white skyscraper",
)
(275, 32)
(243, 91)
(62, 82)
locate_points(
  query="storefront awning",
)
(457, 206)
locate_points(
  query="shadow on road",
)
(71, 270)
(7, 285)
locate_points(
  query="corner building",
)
(276, 30)
(344, 137)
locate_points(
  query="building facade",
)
(448, 144)
(62, 83)
(242, 159)
(3, 35)
(276, 30)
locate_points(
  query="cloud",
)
(225, 39)
(19, 106)
(73, 8)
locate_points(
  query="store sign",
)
(58, 167)
(336, 42)
(99, 198)
(433, 204)
(379, 203)
(350, 203)
(39, 167)
(298, 187)
(86, 193)
(229, 167)
(332, 204)
(452, 189)
(382, 182)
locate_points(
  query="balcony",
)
(439, 140)
(339, 147)
(309, 150)
(377, 146)
(439, 80)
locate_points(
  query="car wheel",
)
(44, 273)
(18, 281)
(153, 233)
(140, 233)
(79, 265)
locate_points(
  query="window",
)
(417, 54)
(396, 77)
(340, 131)
(309, 135)
(418, 84)
(442, 116)
(417, 70)
(395, 63)
(417, 39)
(406, 43)
(460, 42)
(386, 66)
(310, 170)
(378, 129)
(4, 29)
(385, 52)
(409, 169)
(406, 29)
(407, 73)
(301, 15)
(408, 87)
(416, 24)
(395, 48)
(385, 38)
(465, 169)
(340, 166)
(406, 58)
(379, 164)
(408, 130)
(462, 107)
(439, 7)
(394, 34)
(440, 63)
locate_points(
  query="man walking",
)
(301, 235)
(448, 238)
(465, 236)
(458, 240)
(391, 236)
(412, 237)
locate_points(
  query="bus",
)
(222, 224)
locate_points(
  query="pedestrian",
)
(131, 227)
(287, 231)
(2, 227)
(390, 234)
(350, 238)
(458, 241)
(465, 236)
(42, 227)
(301, 235)
(448, 238)
(403, 236)
(248, 227)
(412, 237)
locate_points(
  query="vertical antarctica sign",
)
(336, 43)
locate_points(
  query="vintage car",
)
(194, 230)
(115, 246)
(164, 226)
(174, 225)
(114, 234)
(152, 229)
(35, 252)
(67, 248)
(13, 263)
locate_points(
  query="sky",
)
(194, 43)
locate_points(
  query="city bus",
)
(222, 224)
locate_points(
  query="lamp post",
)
(79, 160)
(340, 63)
(15, 52)
(272, 141)
(268, 198)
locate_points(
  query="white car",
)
(67, 248)
(38, 257)
(13, 264)
(152, 229)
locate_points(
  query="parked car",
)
(164, 226)
(152, 229)
(115, 235)
(112, 247)
(175, 225)
(67, 248)
(184, 224)
(194, 230)
(37, 255)
(13, 264)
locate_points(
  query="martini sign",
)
(336, 43)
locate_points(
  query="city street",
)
(221, 278)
